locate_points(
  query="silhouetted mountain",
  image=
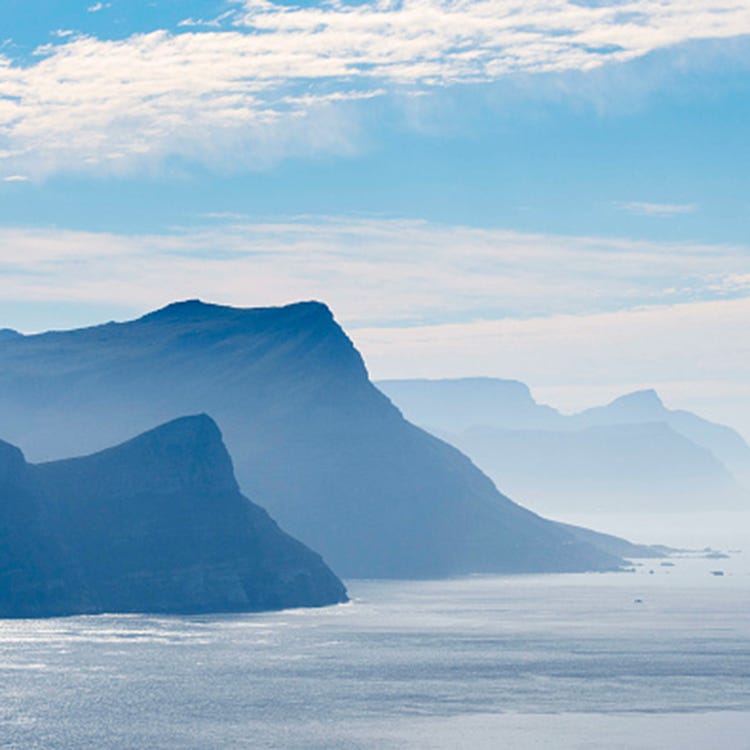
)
(157, 524)
(313, 441)
(634, 454)
(646, 406)
(468, 402)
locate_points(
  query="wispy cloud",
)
(658, 210)
(16, 178)
(264, 87)
(371, 270)
(214, 23)
(651, 343)
(96, 7)
(697, 354)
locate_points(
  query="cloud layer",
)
(263, 83)
(371, 270)
(696, 354)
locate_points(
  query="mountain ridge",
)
(313, 440)
(633, 453)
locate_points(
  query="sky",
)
(556, 191)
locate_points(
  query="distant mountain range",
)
(632, 454)
(313, 440)
(157, 524)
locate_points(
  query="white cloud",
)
(268, 84)
(696, 354)
(16, 178)
(638, 345)
(371, 270)
(96, 7)
(214, 23)
(658, 210)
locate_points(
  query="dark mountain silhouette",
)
(157, 524)
(8, 333)
(633, 454)
(313, 440)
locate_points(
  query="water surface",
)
(635, 660)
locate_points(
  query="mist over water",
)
(558, 661)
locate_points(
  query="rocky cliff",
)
(157, 524)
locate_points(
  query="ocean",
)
(654, 658)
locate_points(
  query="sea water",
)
(655, 658)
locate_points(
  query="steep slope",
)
(313, 441)
(155, 525)
(632, 455)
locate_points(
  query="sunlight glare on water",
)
(646, 660)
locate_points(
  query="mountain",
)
(631, 455)
(453, 405)
(623, 468)
(313, 440)
(645, 406)
(157, 524)
(8, 333)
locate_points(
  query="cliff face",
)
(312, 439)
(155, 525)
(34, 574)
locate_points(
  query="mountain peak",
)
(191, 425)
(643, 400)
(188, 451)
(182, 309)
(195, 308)
(195, 429)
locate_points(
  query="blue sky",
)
(439, 172)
